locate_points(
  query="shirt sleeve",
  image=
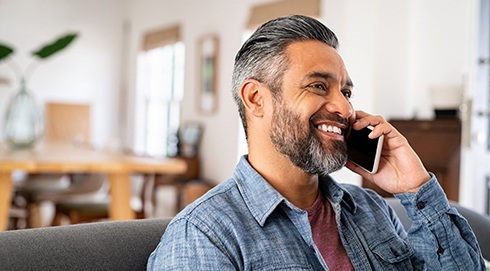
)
(439, 234)
(184, 246)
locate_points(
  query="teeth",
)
(330, 129)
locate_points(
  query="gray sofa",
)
(126, 245)
(115, 245)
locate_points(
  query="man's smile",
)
(330, 129)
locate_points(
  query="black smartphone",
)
(364, 151)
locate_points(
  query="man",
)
(281, 210)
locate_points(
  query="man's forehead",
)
(316, 58)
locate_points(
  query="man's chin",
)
(334, 146)
(325, 163)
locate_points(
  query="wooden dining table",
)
(56, 157)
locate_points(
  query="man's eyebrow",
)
(327, 76)
(349, 83)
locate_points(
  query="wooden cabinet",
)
(187, 184)
(438, 144)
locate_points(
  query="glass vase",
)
(24, 120)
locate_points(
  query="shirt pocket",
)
(277, 262)
(283, 267)
(394, 254)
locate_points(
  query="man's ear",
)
(253, 94)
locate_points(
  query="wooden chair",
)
(65, 123)
(95, 209)
(79, 203)
(86, 200)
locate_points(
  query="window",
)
(159, 93)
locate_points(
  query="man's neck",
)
(298, 187)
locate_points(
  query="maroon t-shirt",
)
(326, 235)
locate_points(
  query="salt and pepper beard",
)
(303, 146)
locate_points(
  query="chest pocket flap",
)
(393, 250)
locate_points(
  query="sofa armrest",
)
(113, 245)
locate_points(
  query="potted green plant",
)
(24, 123)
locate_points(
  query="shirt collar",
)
(262, 199)
(336, 193)
(259, 196)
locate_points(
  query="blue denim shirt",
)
(245, 224)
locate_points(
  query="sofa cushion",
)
(112, 245)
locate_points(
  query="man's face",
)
(312, 112)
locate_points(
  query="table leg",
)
(120, 192)
(5, 198)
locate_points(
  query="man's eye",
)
(318, 86)
(347, 93)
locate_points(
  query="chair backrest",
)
(114, 245)
(67, 122)
(478, 222)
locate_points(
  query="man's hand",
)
(400, 169)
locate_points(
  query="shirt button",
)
(312, 249)
(420, 205)
(440, 250)
(395, 252)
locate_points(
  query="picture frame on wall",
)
(208, 73)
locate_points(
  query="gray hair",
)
(262, 57)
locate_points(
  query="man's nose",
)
(339, 104)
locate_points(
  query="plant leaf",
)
(52, 48)
(5, 51)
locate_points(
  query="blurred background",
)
(150, 68)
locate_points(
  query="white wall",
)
(394, 50)
(87, 71)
